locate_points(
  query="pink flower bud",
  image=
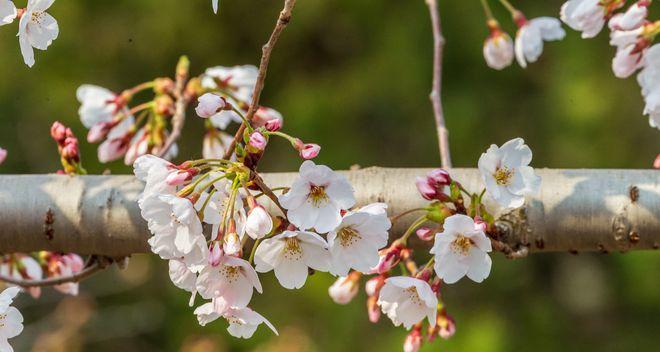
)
(99, 131)
(70, 151)
(480, 224)
(59, 132)
(209, 104)
(413, 341)
(178, 178)
(139, 146)
(345, 288)
(373, 310)
(3, 155)
(258, 140)
(372, 286)
(425, 234)
(309, 151)
(273, 125)
(259, 223)
(432, 186)
(445, 327)
(388, 259)
(215, 254)
(656, 163)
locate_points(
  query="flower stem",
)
(487, 11)
(395, 218)
(508, 6)
(417, 223)
(254, 250)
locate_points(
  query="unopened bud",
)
(163, 85)
(164, 105)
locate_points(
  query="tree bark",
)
(576, 210)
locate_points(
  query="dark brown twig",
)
(179, 117)
(267, 191)
(95, 266)
(266, 50)
(435, 96)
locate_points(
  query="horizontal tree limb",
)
(576, 210)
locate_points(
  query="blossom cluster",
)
(632, 33)
(208, 220)
(36, 28)
(42, 265)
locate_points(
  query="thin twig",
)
(435, 96)
(266, 50)
(267, 191)
(98, 265)
(179, 117)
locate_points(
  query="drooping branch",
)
(95, 265)
(436, 91)
(266, 51)
(576, 210)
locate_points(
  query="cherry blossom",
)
(413, 341)
(498, 47)
(461, 249)
(649, 80)
(176, 229)
(345, 288)
(153, 171)
(506, 173)
(65, 266)
(634, 17)
(11, 320)
(631, 46)
(182, 277)
(242, 322)
(290, 254)
(233, 279)
(97, 104)
(239, 81)
(586, 16)
(36, 29)
(7, 12)
(265, 117)
(531, 35)
(354, 244)
(23, 267)
(3, 155)
(316, 198)
(407, 301)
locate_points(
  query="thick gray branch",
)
(577, 210)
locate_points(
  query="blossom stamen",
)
(503, 176)
(318, 195)
(348, 236)
(461, 245)
(292, 249)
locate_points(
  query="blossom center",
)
(292, 249)
(318, 195)
(461, 245)
(348, 236)
(36, 17)
(414, 296)
(503, 176)
(230, 273)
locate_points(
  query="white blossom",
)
(11, 320)
(586, 16)
(629, 57)
(316, 198)
(176, 229)
(36, 29)
(633, 18)
(214, 3)
(649, 80)
(153, 171)
(7, 12)
(532, 34)
(183, 278)
(354, 244)
(242, 322)
(239, 81)
(461, 249)
(407, 301)
(498, 50)
(506, 173)
(289, 254)
(233, 280)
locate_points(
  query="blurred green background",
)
(353, 76)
